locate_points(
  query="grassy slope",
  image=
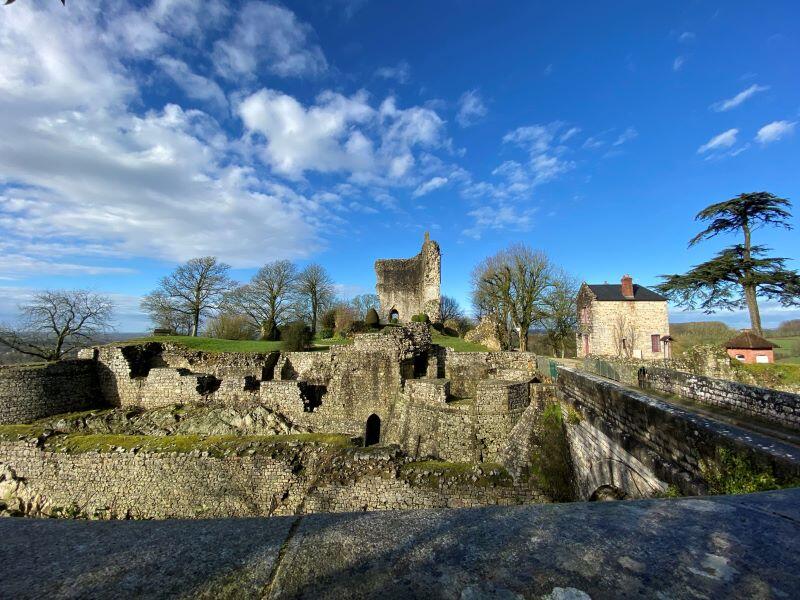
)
(785, 352)
(456, 343)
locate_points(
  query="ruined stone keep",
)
(410, 286)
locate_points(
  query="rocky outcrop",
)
(486, 333)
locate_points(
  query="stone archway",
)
(372, 433)
(394, 315)
(606, 493)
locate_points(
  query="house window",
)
(740, 357)
(762, 358)
(624, 344)
(655, 342)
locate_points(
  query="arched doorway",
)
(394, 315)
(372, 435)
(606, 493)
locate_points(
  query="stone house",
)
(625, 320)
(747, 347)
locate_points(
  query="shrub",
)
(325, 334)
(354, 328)
(372, 318)
(420, 318)
(327, 320)
(438, 327)
(296, 336)
(343, 319)
(231, 327)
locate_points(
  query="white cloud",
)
(726, 139)
(626, 136)
(338, 133)
(500, 217)
(772, 132)
(546, 162)
(678, 63)
(194, 85)
(81, 168)
(270, 38)
(569, 134)
(471, 108)
(432, 184)
(686, 37)
(401, 72)
(739, 98)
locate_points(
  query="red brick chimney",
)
(627, 286)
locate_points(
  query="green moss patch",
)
(550, 464)
(215, 445)
(12, 433)
(456, 343)
(732, 473)
(434, 473)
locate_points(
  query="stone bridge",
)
(629, 443)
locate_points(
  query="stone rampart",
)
(637, 444)
(30, 392)
(288, 479)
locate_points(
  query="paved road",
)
(716, 547)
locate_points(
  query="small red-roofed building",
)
(750, 348)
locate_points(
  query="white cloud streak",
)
(739, 98)
(777, 130)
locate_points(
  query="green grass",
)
(216, 345)
(429, 472)
(214, 445)
(769, 375)
(786, 352)
(456, 343)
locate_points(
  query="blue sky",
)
(138, 135)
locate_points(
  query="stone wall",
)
(30, 392)
(636, 443)
(290, 479)
(782, 408)
(411, 286)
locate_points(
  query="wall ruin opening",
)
(372, 434)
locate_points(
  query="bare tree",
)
(450, 309)
(194, 289)
(624, 336)
(164, 315)
(562, 313)
(513, 284)
(315, 289)
(55, 323)
(269, 299)
(362, 303)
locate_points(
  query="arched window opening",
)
(394, 316)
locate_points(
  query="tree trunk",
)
(752, 306)
(313, 318)
(750, 293)
(195, 323)
(522, 332)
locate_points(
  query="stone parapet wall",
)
(292, 479)
(782, 408)
(669, 442)
(30, 392)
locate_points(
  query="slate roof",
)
(612, 292)
(747, 340)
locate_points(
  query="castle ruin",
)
(411, 286)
